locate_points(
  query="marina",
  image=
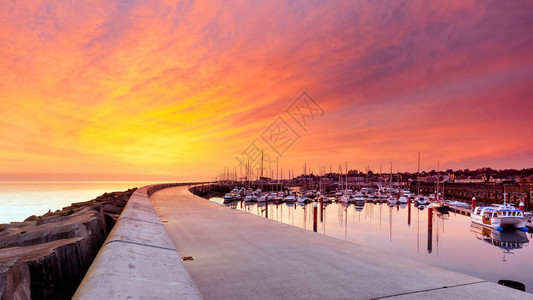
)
(447, 239)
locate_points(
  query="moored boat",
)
(499, 216)
(302, 199)
(290, 198)
(228, 197)
(420, 200)
(458, 204)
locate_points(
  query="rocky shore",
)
(46, 257)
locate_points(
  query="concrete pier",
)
(137, 260)
(237, 255)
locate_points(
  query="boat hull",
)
(515, 222)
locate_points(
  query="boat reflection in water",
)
(506, 240)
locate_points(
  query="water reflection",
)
(506, 240)
(446, 238)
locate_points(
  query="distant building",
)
(470, 179)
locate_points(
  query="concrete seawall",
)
(138, 259)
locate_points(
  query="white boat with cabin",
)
(499, 216)
(458, 204)
(229, 197)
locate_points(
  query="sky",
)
(157, 89)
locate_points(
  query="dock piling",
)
(266, 207)
(315, 217)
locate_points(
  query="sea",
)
(19, 200)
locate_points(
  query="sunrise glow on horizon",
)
(180, 89)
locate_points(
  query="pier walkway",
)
(237, 255)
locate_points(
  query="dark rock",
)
(55, 249)
(32, 218)
(82, 223)
(110, 208)
(14, 279)
(56, 267)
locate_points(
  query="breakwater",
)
(46, 257)
(138, 259)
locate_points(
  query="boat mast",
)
(340, 172)
(346, 176)
(277, 177)
(418, 175)
(504, 194)
(261, 178)
(390, 178)
(438, 179)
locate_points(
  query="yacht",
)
(499, 216)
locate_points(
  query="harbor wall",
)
(46, 257)
(138, 259)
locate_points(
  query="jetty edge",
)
(138, 260)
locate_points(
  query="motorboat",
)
(421, 201)
(499, 216)
(402, 199)
(406, 194)
(277, 197)
(290, 198)
(302, 199)
(458, 204)
(261, 198)
(392, 200)
(229, 197)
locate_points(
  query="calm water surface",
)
(19, 200)
(453, 243)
